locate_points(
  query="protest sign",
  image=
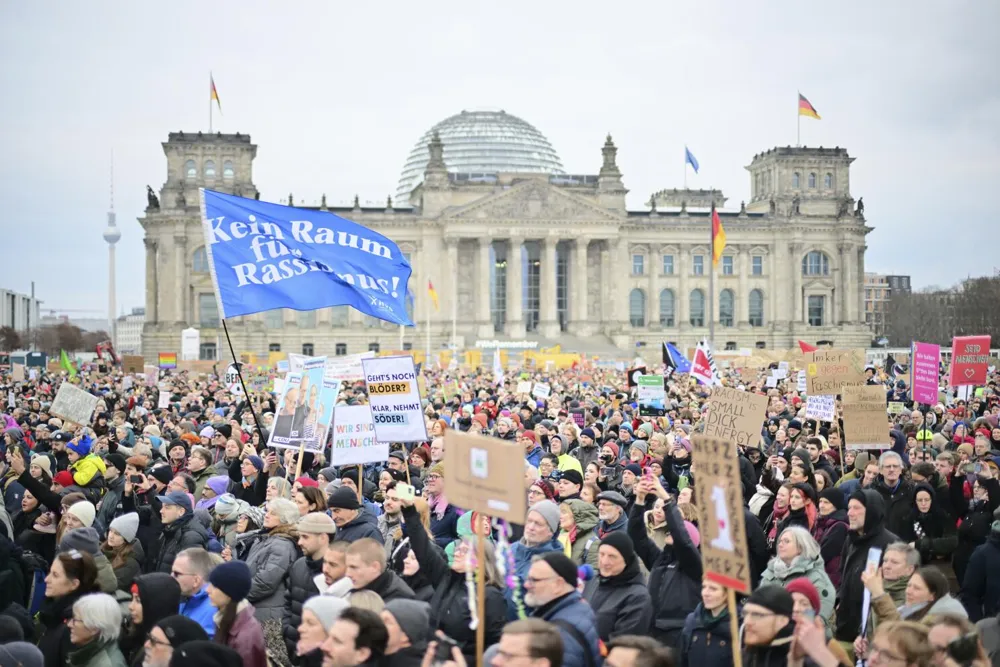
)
(279, 386)
(164, 400)
(151, 373)
(719, 494)
(800, 382)
(32, 374)
(771, 381)
(780, 373)
(524, 387)
(346, 368)
(485, 475)
(283, 365)
(865, 423)
(578, 417)
(925, 360)
(969, 358)
(736, 416)
(651, 396)
(822, 408)
(264, 256)
(827, 371)
(354, 439)
(53, 367)
(896, 407)
(74, 404)
(295, 362)
(132, 363)
(231, 379)
(300, 413)
(17, 373)
(541, 390)
(783, 366)
(282, 433)
(167, 359)
(395, 401)
(633, 375)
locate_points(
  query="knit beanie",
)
(573, 477)
(21, 654)
(413, 617)
(835, 496)
(306, 481)
(562, 566)
(205, 654)
(641, 446)
(116, 460)
(588, 432)
(84, 511)
(181, 629)
(63, 478)
(613, 446)
(549, 511)
(162, 474)
(622, 543)
(257, 462)
(84, 540)
(774, 598)
(805, 587)
(127, 525)
(326, 608)
(343, 498)
(225, 505)
(233, 579)
(43, 462)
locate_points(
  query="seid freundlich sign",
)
(719, 494)
(485, 475)
(970, 357)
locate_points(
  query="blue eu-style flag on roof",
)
(264, 256)
(691, 159)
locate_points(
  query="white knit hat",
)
(84, 511)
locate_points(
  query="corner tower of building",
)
(818, 180)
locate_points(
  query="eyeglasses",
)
(879, 654)
(433, 477)
(156, 642)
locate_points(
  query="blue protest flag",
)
(264, 256)
(691, 159)
(672, 358)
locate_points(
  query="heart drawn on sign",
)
(969, 372)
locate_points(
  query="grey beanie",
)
(413, 617)
(326, 608)
(22, 654)
(127, 525)
(640, 445)
(81, 539)
(548, 511)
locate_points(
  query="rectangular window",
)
(757, 265)
(407, 346)
(340, 350)
(637, 264)
(340, 316)
(274, 347)
(208, 311)
(373, 347)
(207, 352)
(668, 265)
(731, 345)
(698, 267)
(307, 319)
(307, 349)
(273, 319)
(816, 304)
(727, 265)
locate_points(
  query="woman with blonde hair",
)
(365, 599)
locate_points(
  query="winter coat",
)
(571, 610)
(201, 479)
(584, 542)
(523, 556)
(756, 546)
(885, 609)
(585, 455)
(160, 596)
(933, 534)
(621, 603)
(974, 527)
(126, 574)
(246, 636)
(254, 493)
(706, 640)
(830, 532)
(774, 654)
(444, 528)
(390, 587)
(269, 560)
(621, 523)
(12, 492)
(174, 538)
(980, 592)
(106, 579)
(300, 587)
(200, 610)
(363, 525)
(450, 599)
(898, 503)
(674, 572)
(51, 631)
(812, 569)
(534, 457)
(96, 653)
(854, 559)
(87, 469)
(110, 506)
(989, 635)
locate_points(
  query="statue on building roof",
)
(181, 199)
(844, 207)
(859, 212)
(152, 201)
(743, 208)
(795, 205)
(357, 202)
(774, 206)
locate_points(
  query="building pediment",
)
(534, 200)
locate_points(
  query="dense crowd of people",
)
(175, 536)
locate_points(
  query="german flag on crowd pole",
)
(434, 295)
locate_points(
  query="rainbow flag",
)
(718, 237)
(168, 359)
(433, 294)
(807, 109)
(214, 93)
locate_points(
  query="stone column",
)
(451, 288)
(180, 255)
(859, 286)
(682, 305)
(548, 318)
(621, 269)
(795, 264)
(579, 288)
(484, 321)
(151, 283)
(743, 296)
(773, 297)
(653, 297)
(515, 289)
(606, 290)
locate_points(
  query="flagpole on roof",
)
(711, 277)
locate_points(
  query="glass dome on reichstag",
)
(482, 142)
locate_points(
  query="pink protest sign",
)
(970, 355)
(924, 359)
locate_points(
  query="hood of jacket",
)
(874, 509)
(799, 567)
(160, 595)
(584, 515)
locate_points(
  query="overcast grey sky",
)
(336, 94)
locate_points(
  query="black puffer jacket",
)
(51, 631)
(674, 571)
(363, 525)
(855, 559)
(110, 506)
(390, 587)
(175, 537)
(299, 588)
(621, 603)
(898, 503)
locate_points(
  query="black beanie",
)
(181, 629)
(808, 491)
(573, 477)
(563, 566)
(162, 474)
(205, 654)
(225, 430)
(834, 496)
(773, 598)
(620, 541)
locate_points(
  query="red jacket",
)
(246, 637)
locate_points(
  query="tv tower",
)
(112, 235)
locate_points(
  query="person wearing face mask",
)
(977, 515)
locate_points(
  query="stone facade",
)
(594, 276)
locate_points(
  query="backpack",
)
(35, 570)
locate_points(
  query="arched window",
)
(727, 307)
(227, 170)
(667, 308)
(756, 308)
(199, 261)
(812, 180)
(816, 263)
(697, 308)
(209, 169)
(795, 180)
(828, 181)
(637, 307)
(190, 170)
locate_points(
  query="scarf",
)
(777, 515)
